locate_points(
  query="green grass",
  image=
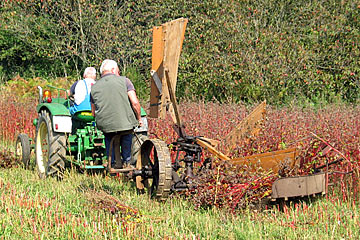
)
(79, 207)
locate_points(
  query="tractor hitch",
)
(146, 172)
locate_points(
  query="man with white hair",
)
(81, 91)
(116, 109)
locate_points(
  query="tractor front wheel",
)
(22, 149)
(50, 148)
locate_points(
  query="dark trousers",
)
(125, 145)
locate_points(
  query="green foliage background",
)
(234, 50)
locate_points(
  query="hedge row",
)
(233, 50)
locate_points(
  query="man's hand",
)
(93, 109)
(141, 123)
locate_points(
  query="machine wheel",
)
(154, 156)
(22, 149)
(50, 148)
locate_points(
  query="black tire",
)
(50, 148)
(22, 149)
(154, 154)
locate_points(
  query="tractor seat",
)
(84, 116)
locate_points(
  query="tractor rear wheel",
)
(22, 149)
(155, 158)
(50, 148)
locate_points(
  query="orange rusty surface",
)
(157, 65)
(248, 127)
(212, 149)
(157, 48)
(167, 44)
(173, 39)
(269, 160)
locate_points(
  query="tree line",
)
(233, 50)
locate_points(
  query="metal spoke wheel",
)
(155, 162)
(50, 148)
(22, 149)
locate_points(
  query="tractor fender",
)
(143, 112)
(60, 116)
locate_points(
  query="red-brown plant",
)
(310, 130)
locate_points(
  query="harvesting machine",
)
(179, 174)
(62, 140)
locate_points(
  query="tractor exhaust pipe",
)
(40, 94)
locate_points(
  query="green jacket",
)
(113, 111)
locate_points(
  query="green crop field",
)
(84, 206)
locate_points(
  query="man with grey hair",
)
(81, 91)
(116, 109)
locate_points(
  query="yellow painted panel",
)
(250, 126)
(269, 160)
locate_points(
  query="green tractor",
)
(61, 139)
